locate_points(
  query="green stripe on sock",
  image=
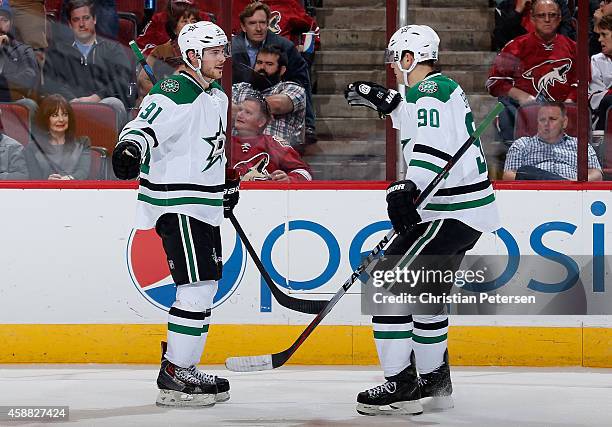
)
(186, 330)
(392, 335)
(429, 340)
(205, 329)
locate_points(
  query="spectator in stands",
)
(255, 34)
(513, 19)
(599, 9)
(158, 31)
(88, 69)
(55, 153)
(551, 154)
(286, 99)
(605, 8)
(107, 22)
(30, 25)
(289, 19)
(166, 57)
(600, 87)
(259, 157)
(19, 70)
(12, 163)
(537, 66)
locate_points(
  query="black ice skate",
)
(398, 396)
(437, 387)
(222, 384)
(180, 387)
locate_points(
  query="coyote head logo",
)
(543, 76)
(275, 20)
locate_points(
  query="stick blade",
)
(249, 363)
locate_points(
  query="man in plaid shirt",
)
(286, 100)
(551, 154)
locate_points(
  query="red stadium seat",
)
(132, 6)
(98, 169)
(127, 28)
(526, 123)
(16, 121)
(53, 6)
(98, 122)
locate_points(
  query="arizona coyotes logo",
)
(543, 76)
(275, 21)
(254, 169)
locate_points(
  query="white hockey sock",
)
(188, 322)
(392, 335)
(430, 341)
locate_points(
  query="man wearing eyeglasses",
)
(539, 66)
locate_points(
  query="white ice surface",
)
(124, 395)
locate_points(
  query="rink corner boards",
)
(329, 345)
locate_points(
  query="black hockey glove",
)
(126, 160)
(372, 95)
(231, 193)
(401, 198)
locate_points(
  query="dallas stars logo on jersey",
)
(428, 86)
(217, 147)
(170, 86)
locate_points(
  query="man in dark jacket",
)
(255, 34)
(88, 69)
(18, 67)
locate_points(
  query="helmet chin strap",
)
(198, 71)
(406, 72)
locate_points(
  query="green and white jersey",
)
(181, 133)
(434, 122)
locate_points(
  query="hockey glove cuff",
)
(372, 95)
(231, 192)
(401, 198)
(126, 160)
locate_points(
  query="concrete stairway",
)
(351, 140)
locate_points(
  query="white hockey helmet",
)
(199, 36)
(421, 40)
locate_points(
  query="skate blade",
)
(222, 397)
(412, 407)
(438, 403)
(178, 399)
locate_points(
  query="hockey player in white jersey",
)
(434, 119)
(177, 147)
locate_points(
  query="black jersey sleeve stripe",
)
(463, 189)
(151, 133)
(181, 187)
(420, 148)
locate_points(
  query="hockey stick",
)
(296, 304)
(142, 61)
(275, 360)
